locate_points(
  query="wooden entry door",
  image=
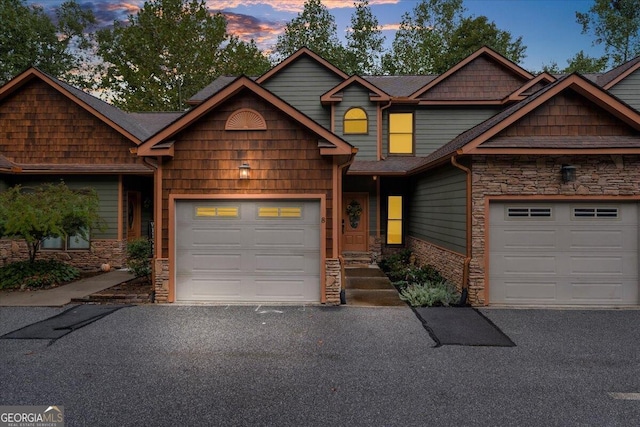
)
(134, 211)
(355, 222)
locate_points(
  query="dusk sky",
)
(548, 27)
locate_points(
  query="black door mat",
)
(61, 324)
(461, 326)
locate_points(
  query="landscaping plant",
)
(430, 294)
(420, 286)
(37, 274)
(139, 257)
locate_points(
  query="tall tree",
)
(314, 28)
(579, 63)
(365, 42)
(616, 25)
(437, 35)
(167, 52)
(29, 37)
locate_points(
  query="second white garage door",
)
(248, 251)
(563, 254)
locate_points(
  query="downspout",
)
(467, 260)
(384, 107)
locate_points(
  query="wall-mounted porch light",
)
(568, 173)
(244, 170)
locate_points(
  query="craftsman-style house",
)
(522, 189)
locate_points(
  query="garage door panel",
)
(281, 290)
(596, 265)
(526, 265)
(518, 238)
(199, 289)
(289, 263)
(532, 290)
(596, 239)
(214, 263)
(286, 237)
(597, 292)
(583, 260)
(216, 237)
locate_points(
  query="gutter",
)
(467, 260)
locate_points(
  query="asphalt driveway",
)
(346, 366)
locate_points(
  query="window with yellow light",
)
(401, 133)
(394, 220)
(355, 121)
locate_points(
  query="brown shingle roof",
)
(611, 75)
(401, 86)
(389, 166)
(212, 88)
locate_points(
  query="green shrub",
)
(395, 261)
(429, 294)
(138, 257)
(37, 274)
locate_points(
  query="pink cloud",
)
(292, 6)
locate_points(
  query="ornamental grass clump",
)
(430, 294)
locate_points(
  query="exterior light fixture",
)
(244, 170)
(568, 173)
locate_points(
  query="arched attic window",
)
(355, 121)
(245, 119)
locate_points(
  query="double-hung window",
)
(401, 133)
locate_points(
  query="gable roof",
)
(160, 144)
(531, 87)
(120, 121)
(335, 94)
(484, 52)
(470, 142)
(399, 86)
(210, 89)
(297, 55)
(615, 76)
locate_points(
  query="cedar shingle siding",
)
(284, 159)
(40, 125)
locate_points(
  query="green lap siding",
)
(437, 208)
(301, 84)
(629, 90)
(435, 127)
(358, 96)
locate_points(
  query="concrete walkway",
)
(62, 295)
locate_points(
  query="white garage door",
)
(563, 254)
(248, 251)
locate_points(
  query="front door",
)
(134, 223)
(355, 224)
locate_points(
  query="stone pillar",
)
(333, 281)
(161, 280)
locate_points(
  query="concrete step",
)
(373, 298)
(368, 283)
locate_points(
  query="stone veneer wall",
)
(101, 252)
(596, 176)
(449, 264)
(333, 280)
(161, 280)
